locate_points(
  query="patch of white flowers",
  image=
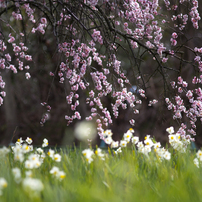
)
(56, 172)
(178, 142)
(30, 159)
(90, 155)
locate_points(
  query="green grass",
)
(128, 176)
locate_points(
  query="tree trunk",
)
(9, 108)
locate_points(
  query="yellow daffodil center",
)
(5, 185)
(62, 176)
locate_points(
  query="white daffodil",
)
(17, 174)
(17, 149)
(32, 186)
(170, 130)
(118, 150)
(27, 148)
(131, 130)
(99, 153)
(58, 173)
(51, 153)
(57, 157)
(54, 171)
(140, 144)
(3, 184)
(19, 141)
(88, 154)
(29, 140)
(39, 150)
(167, 155)
(199, 155)
(19, 157)
(146, 137)
(156, 145)
(114, 144)
(172, 138)
(28, 173)
(61, 175)
(148, 142)
(196, 162)
(107, 133)
(45, 142)
(127, 136)
(108, 140)
(123, 143)
(135, 139)
(29, 164)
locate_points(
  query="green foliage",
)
(127, 176)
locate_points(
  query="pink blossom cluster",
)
(124, 99)
(92, 3)
(89, 60)
(97, 36)
(141, 22)
(41, 26)
(193, 110)
(195, 17)
(79, 58)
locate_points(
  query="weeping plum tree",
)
(107, 53)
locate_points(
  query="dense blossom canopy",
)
(91, 36)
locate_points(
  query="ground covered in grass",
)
(129, 173)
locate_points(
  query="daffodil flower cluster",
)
(177, 141)
(31, 159)
(56, 157)
(89, 154)
(149, 144)
(21, 147)
(107, 136)
(59, 174)
(142, 147)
